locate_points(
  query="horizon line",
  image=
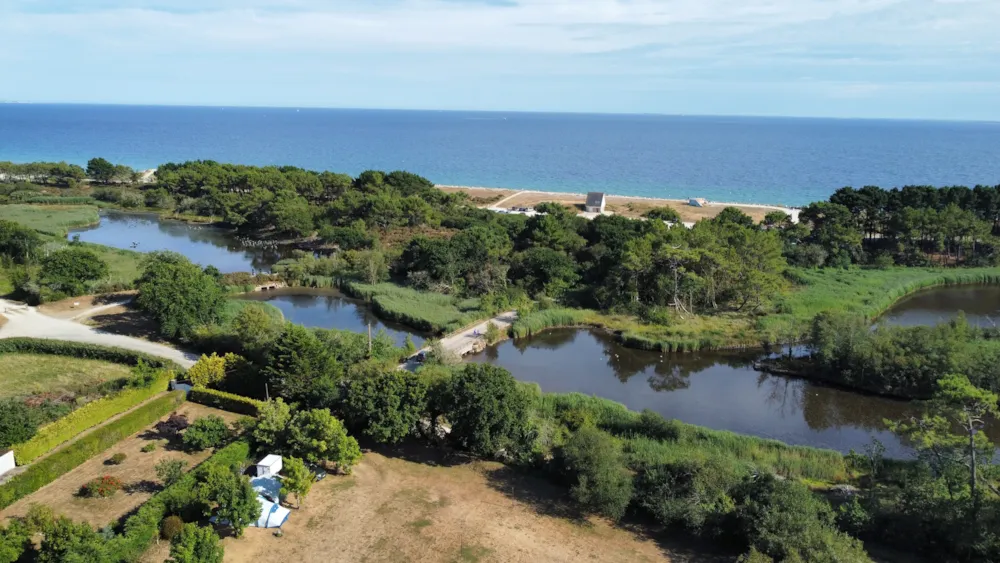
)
(498, 111)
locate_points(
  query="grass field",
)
(25, 374)
(51, 219)
(866, 292)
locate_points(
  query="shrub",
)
(96, 412)
(170, 470)
(196, 544)
(17, 423)
(170, 527)
(58, 463)
(225, 401)
(117, 459)
(594, 461)
(208, 370)
(207, 432)
(150, 447)
(102, 487)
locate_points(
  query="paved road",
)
(462, 342)
(23, 320)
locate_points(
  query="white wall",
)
(6, 462)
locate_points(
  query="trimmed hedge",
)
(140, 530)
(115, 355)
(225, 401)
(52, 435)
(51, 468)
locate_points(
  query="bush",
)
(488, 411)
(170, 471)
(196, 544)
(117, 459)
(96, 412)
(207, 432)
(593, 460)
(170, 527)
(58, 463)
(102, 487)
(225, 401)
(17, 423)
(150, 447)
(208, 370)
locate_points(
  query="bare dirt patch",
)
(480, 196)
(432, 509)
(137, 472)
(75, 306)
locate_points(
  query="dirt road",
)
(463, 341)
(26, 321)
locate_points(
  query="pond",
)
(325, 308)
(205, 245)
(981, 304)
(717, 390)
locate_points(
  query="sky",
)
(934, 59)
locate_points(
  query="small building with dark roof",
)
(595, 202)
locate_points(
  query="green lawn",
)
(26, 374)
(51, 219)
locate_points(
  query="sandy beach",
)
(629, 206)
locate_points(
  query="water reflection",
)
(202, 244)
(981, 304)
(324, 308)
(717, 390)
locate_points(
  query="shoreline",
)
(498, 199)
(775, 206)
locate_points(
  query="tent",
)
(272, 514)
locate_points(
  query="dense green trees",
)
(196, 544)
(178, 294)
(228, 496)
(488, 411)
(69, 271)
(300, 368)
(386, 407)
(18, 243)
(901, 361)
(317, 436)
(101, 170)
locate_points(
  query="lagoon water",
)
(714, 389)
(740, 159)
(205, 245)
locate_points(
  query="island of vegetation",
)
(431, 260)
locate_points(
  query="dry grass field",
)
(137, 472)
(414, 506)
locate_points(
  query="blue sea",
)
(789, 161)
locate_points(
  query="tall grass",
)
(426, 311)
(649, 439)
(51, 219)
(232, 307)
(538, 321)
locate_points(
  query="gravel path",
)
(23, 320)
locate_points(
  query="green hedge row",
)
(141, 529)
(24, 345)
(51, 468)
(52, 435)
(225, 401)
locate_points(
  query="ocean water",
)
(790, 161)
